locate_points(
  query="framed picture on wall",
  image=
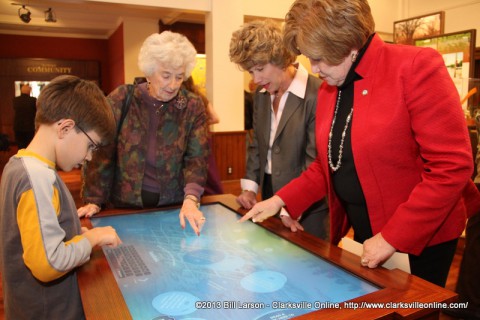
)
(458, 52)
(457, 49)
(407, 30)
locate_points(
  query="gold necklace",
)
(340, 148)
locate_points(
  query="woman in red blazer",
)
(394, 154)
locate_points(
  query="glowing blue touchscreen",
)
(231, 271)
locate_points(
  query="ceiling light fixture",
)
(24, 14)
(50, 15)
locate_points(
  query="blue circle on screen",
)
(229, 263)
(203, 257)
(175, 303)
(264, 281)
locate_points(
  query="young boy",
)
(41, 239)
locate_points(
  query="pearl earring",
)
(354, 56)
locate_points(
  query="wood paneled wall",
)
(229, 149)
(195, 32)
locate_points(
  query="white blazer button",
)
(365, 92)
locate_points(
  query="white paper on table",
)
(396, 261)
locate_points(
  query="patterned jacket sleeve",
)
(97, 175)
(197, 152)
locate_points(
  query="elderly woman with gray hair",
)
(161, 149)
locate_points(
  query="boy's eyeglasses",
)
(93, 147)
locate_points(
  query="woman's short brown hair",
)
(69, 97)
(258, 43)
(328, 29)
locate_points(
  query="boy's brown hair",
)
(69, 97)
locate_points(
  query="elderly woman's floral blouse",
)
(181, 155)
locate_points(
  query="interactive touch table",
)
(238, 271)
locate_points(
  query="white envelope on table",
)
(396, 261)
